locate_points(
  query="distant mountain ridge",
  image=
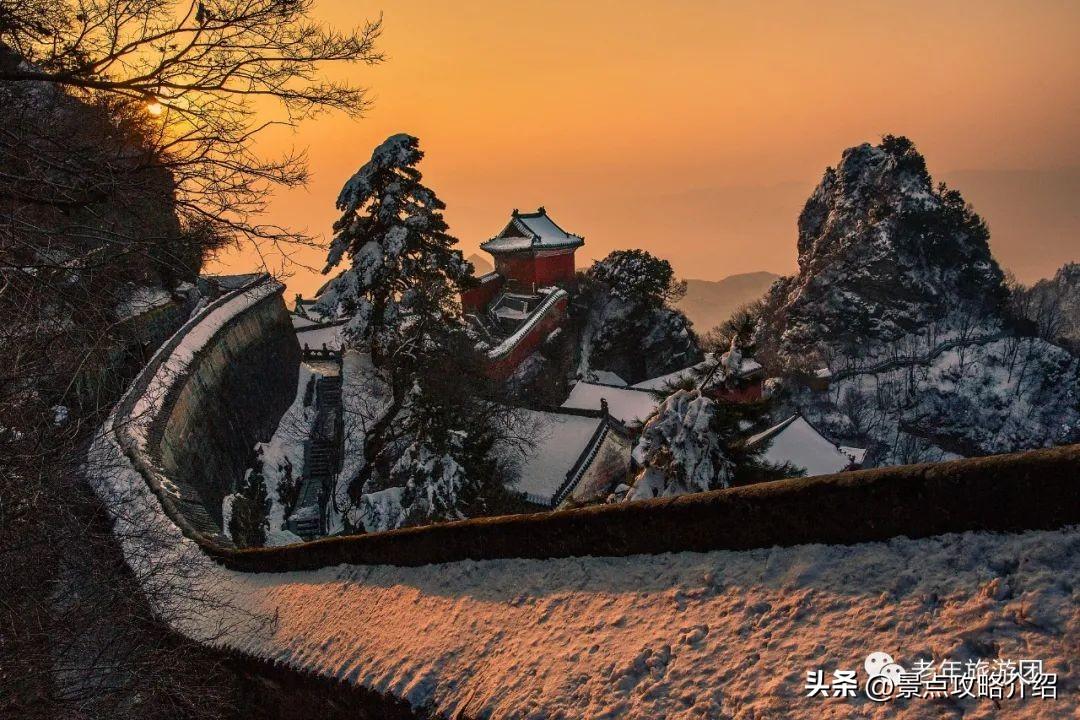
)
(710, 302)
(481, 265)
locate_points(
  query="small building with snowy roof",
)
(569, 454)
(532, 252)
(513, 309)
(797, 442)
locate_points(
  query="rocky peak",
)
(883, 252)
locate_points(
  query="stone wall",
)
(503, 366)
(237, 389)
(239, 385)
(1006, 493)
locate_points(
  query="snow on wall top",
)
(527, 231)
(626, 405)
(797, 442)
(508, 343)
(680, 636)
(556, 442)
(194, 335)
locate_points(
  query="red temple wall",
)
(504, 367)
(529, 272)
(520, 269)
(554, 269)
(477, 299)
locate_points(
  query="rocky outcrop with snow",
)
(629, 326)
(897, 295)
(882, 253)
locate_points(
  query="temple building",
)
(518, 305)
(532, 252)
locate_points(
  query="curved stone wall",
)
(448, 641)
(230, 394)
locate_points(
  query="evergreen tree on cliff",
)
(428, 455)
(628, 325)
(404, 275)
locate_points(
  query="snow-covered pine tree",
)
(404, 275)
(428, 457)
(694, 443)
(628, 326)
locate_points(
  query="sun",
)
(155, 108)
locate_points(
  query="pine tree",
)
(405, 275)
(429, 456)
(695, 443)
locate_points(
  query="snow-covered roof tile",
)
(606, 377)
(857, 455)
(556, 443)
(796, 441)
(626, 405)
(526, 231)
(663, 382)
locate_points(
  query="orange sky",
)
(696, 130)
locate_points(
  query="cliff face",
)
(883, 253)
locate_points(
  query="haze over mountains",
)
(707, 303)
(710, 302)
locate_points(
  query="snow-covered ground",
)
(365, 398)
(687, 635)
(141, 300)
(993, 397)
(315, 339)
(282, 456)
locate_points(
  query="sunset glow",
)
(696, 130)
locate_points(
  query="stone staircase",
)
(321, 462)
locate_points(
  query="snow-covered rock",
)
(882, 253)
(900, 307)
